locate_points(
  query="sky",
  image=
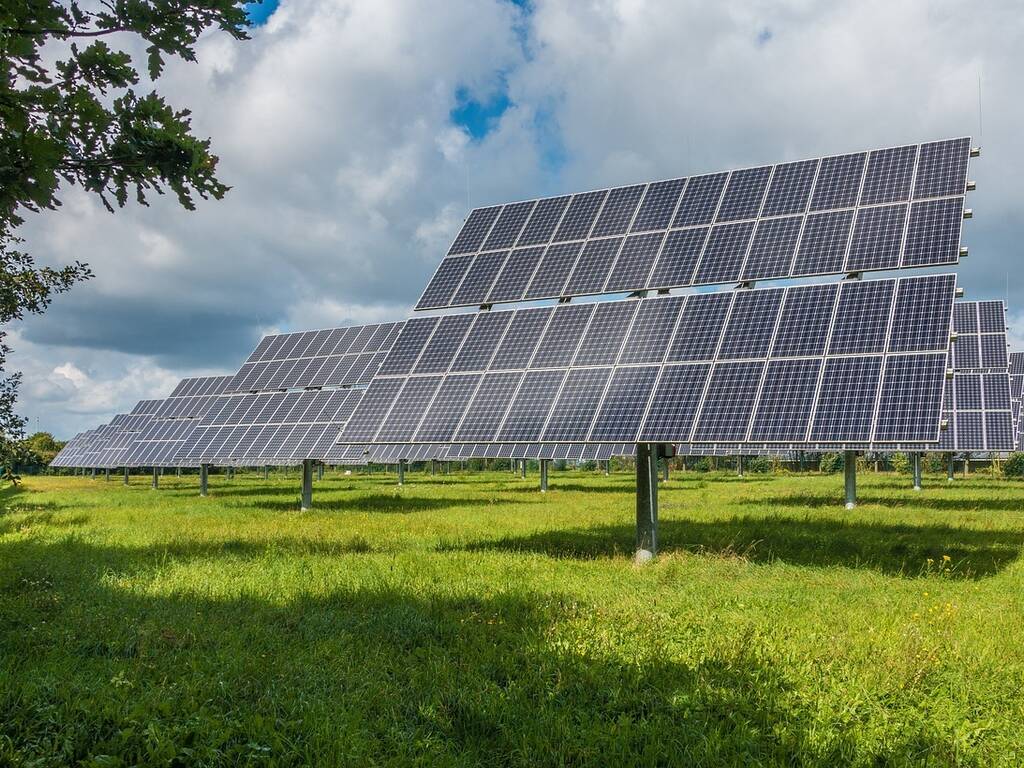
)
(356, 136)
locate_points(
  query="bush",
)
(759, 464)
(900, 463)
(935, 462)
(1014, 465)
(830, 463)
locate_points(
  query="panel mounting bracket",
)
(975, 151)
(854, 276)
(971, 186)
(963, 251)
(746, 285)
(485, 307)
(637, 295)
(564, 299)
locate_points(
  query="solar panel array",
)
(844, 364)
(885, 209)
(1016, 395)
(161, 441)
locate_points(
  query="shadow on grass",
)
(897, 550)
(376, 675)
(398, 502)
(928, 498)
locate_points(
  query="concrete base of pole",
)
(544, 475)
(646, 502)
(204, 479)
(850, 478)
(307, 485)
(401, 472)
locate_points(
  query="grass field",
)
(468, 619)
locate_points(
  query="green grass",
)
(469, 619)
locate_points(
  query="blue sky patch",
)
(260, 12)
(478, 118)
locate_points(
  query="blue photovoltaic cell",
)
(521, 338)
(968, 391)
(618, 211)
(877, 237)
(603, 339)
(965, 317)
(823, 243)
(658, 205)
(593, 266)
(651, 330)
(723, 256)
(408, 346)
(482, 341)
(889, 176)
(700, 327)
(804, 323)
(437, 355)
(784, 406)
(991, 317)
(478, 280)
(554, 269)
(475, 230)
(634, 262)
(678, 258)
(744, 193)
(486, 411)
(624, 404)
(515, 275)
(529, 409)
(838, 182)
(508, 226)
(728, 403)
(543, 221)
(933, 235)
(443, 284)
(577, 402)
(969, 429)
(562, 337)
(910, 397)
(922, 316)
(700, 200)
(846, 399)
(771, 254)
(751, 324)
(999, 431)
(862, 317)
(993, 351)
(966, 352)
(446, 411)
(374, 406)
(674, 405)
(790, 188)
(942, 168)
(580, 216)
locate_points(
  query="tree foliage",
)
(70, 113)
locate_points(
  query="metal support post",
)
(433, 467)
(607, 467)
(646, 502)
(126, 475)
(850, 476)
(266, 472)
(106, 474)
(544, 475)
(93, 475)
(523, 468)
(204, 479)
(664, 469)
(739, 466)
(177, 471)
(156, 478)
(307, 485)
(915, 459)
(949, 467)
(967, 464)
(320, 471)
(401, 471)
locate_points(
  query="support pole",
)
(433, 467)
(204, 479)
(106, 474)
(664, 468)
(607, 467)
(646, 502)
(307, 485)
(522, 467)
(949, 467)
(915, 459)
(156, 478)
(93, 475)
(967, 464)
(850, 476)
(320, 471)
(739, 466)
(126, 475)
(266, 472)
(401, 471)
(177, 471)
(544, 475)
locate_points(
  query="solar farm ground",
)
(468, 619)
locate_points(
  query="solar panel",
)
(866, 363)
(890, 208)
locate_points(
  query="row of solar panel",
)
(892, 175)
(333, 371)
(329, 341)
(200, 386)
(308, 407)
(876, 239)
